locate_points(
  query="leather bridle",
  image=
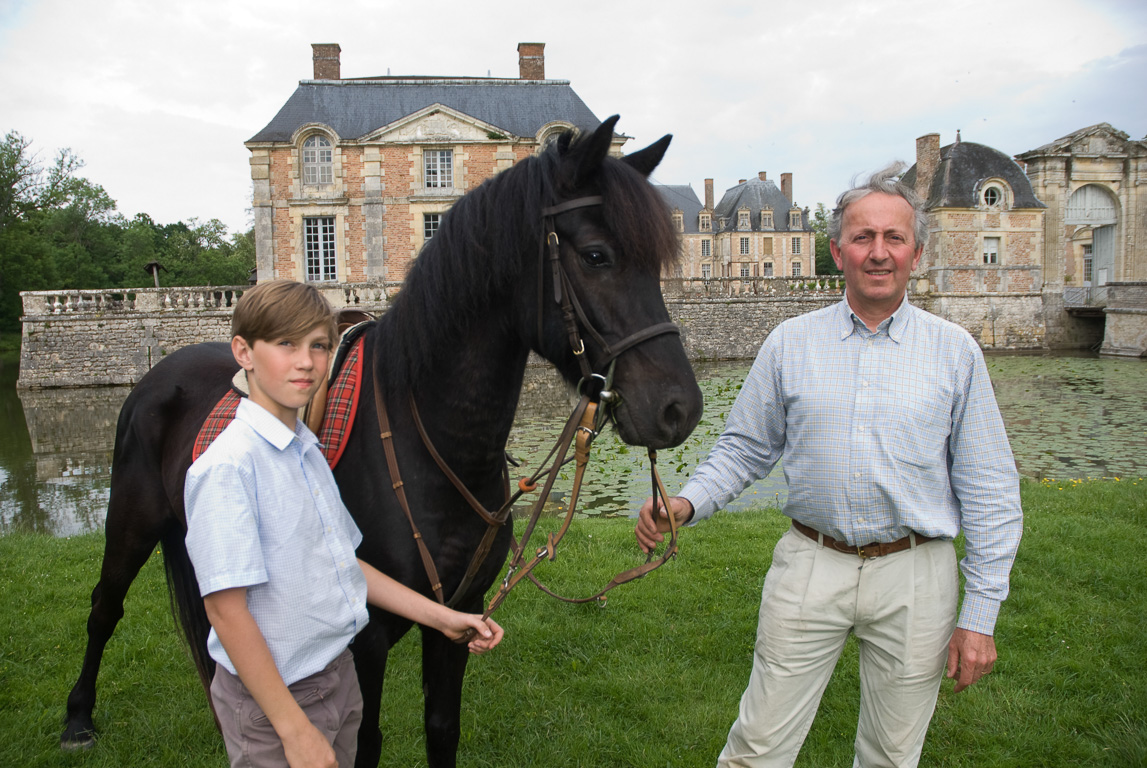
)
(581, 428)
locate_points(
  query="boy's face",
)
(284, 373)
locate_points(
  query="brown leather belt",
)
(875, 549)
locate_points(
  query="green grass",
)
(652, 678)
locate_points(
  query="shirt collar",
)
(895, 326)
(270, 428)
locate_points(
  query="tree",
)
(824, 263)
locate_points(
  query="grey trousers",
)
(331, 700)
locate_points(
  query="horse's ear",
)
(588, 152)
(645, 160)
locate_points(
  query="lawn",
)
(653, 677)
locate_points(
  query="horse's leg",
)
(370, 650)
(443, 667)
(129, 541)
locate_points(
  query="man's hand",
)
(970, 657)
(651, 528)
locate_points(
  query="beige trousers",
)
(902, 609)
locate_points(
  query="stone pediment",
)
(436, 124)
(1096, 140)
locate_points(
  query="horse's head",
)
(608, 237)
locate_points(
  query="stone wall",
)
(94, 338)
(1125, 333)
(102, 338)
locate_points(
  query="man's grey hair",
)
(886, 181)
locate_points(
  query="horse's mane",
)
(476, 253)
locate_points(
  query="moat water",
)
(1067, 417)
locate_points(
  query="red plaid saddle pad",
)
(342, 404)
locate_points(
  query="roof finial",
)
(957, 135)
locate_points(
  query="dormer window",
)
(766, 219)
(438, 168)
(705, 222)
(743, 219)
(678, 221)
(794, 220)
(318, 161)
(993, 195)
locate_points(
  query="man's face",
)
(877, 253)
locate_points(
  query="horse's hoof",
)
(77, 742)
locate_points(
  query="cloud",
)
(158, 98)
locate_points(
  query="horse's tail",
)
(187, 603)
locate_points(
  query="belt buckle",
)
(860, 553)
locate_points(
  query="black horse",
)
(478, 299)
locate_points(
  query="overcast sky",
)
(157, 97)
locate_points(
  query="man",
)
(892, 444)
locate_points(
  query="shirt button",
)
(856, 475)
(860, 427)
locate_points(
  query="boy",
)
(274, 553)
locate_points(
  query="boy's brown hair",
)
(281, 309)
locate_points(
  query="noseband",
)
(573, 315)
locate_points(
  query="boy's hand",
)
(309, 749)
(488, 633)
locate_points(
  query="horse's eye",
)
(594, 258)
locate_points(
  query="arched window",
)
(318, 160)
(1091, 204)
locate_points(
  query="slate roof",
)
(964, 166)
(682, 197)
(354, 108)
(756, 195)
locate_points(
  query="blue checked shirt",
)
(263, 512)
(881, 433)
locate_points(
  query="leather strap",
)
(875, 549)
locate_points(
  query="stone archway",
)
(1094, 206)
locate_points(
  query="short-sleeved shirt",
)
(264, 513)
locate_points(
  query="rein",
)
(581, 428)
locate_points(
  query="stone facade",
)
(353, 175)
(982, 265)
(756, 230)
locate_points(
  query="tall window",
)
(742, 219)
(744, 269)
(796, 245)
(438, 167)
(705, 223)
(318, 165)
(794, 220)
(706, 271)
(319, 241)
(1088, 264)
(767, 269)
(991, 250)
(796, 269)
(766, 219)
(706, 249)
(744, 246)
(767, 246)
(430, 222)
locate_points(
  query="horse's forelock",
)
(638, 217)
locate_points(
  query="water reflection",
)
(1067, 417)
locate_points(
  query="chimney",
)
(532, 61)
(741, 181)
(709, 194)
(927, 163)
(326, 58)
(762, 176)
(787, 186)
